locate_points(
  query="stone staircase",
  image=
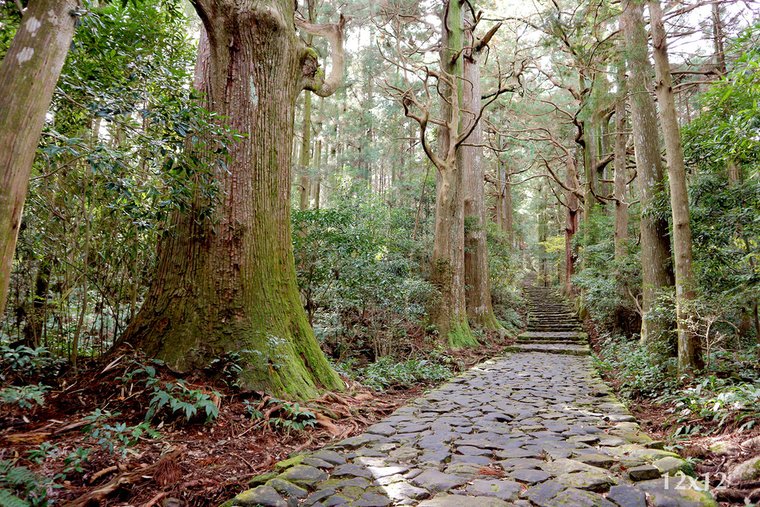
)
(553, 325)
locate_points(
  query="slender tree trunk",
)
(304, 187)
(621, 172)
(718, 39)
(316, 182)
(477, 287)
(227, 283)
(571, 222)
(507, 206)
(28, 75)
(655, 247)
(689, 356)
(449, 310)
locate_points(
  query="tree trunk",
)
(621, 172)
(470, 156)
(655, 247)
(571, 222)
(28, 75)
(304, 187)
(507, 206)
(689, 356)
(227, 283)
(449, 310)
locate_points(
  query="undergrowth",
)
(725, 396)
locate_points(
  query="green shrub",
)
(386, 373)
(25, 396)
(20, 487)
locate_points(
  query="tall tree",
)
(28, 75)
(655, 247)
(688, 344)
(227, 282)
(621, 165)
(470, 157)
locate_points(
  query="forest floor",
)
(89, 460)
(715, 450)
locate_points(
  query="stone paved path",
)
(536, 427)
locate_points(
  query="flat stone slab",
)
(553, 348)
(537, 428)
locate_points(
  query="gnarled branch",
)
(313, 78)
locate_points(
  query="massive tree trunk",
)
(449, 311)
(621, 173)
(28, 75)
(227, 283)
(655, 247)
(689, 356)
(477, 287)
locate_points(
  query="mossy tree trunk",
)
(477, 286)
(689, 354)
(227, 283)
(449, 310)
(655, 245)
(28, 75)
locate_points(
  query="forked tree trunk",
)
(689, 355)
(448, 313)
(477, 287)
(655, 247)
(227, 283)
(28, 75)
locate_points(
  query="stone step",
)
(548, 339)
(555, 334)
(550, 348)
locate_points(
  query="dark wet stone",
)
(542, 493)
(592, 481)
(505, 490)
(435, 481)
(643, 473)
(627, 496)
(578, 498)
(303, 475)
(288, 488)
(264, 496)
(352, 470)
(330, 456)
(372, 500)
(529, 475)
(319, 495)
(316, 462)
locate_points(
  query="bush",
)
(387, 373)
(360, 277)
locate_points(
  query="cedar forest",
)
(233, 232)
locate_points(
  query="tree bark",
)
(655, 247)
(689, 355)
(449, 310)
(28, 75)
(621, 172)
(304, 187)
(477, 286)
(571, 221)
(227, 283)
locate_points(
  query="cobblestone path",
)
(535, 427)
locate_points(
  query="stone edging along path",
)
(530, 428)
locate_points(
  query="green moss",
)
(460, 336)
(295, 460)
(262, 479)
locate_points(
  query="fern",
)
(8, 499)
